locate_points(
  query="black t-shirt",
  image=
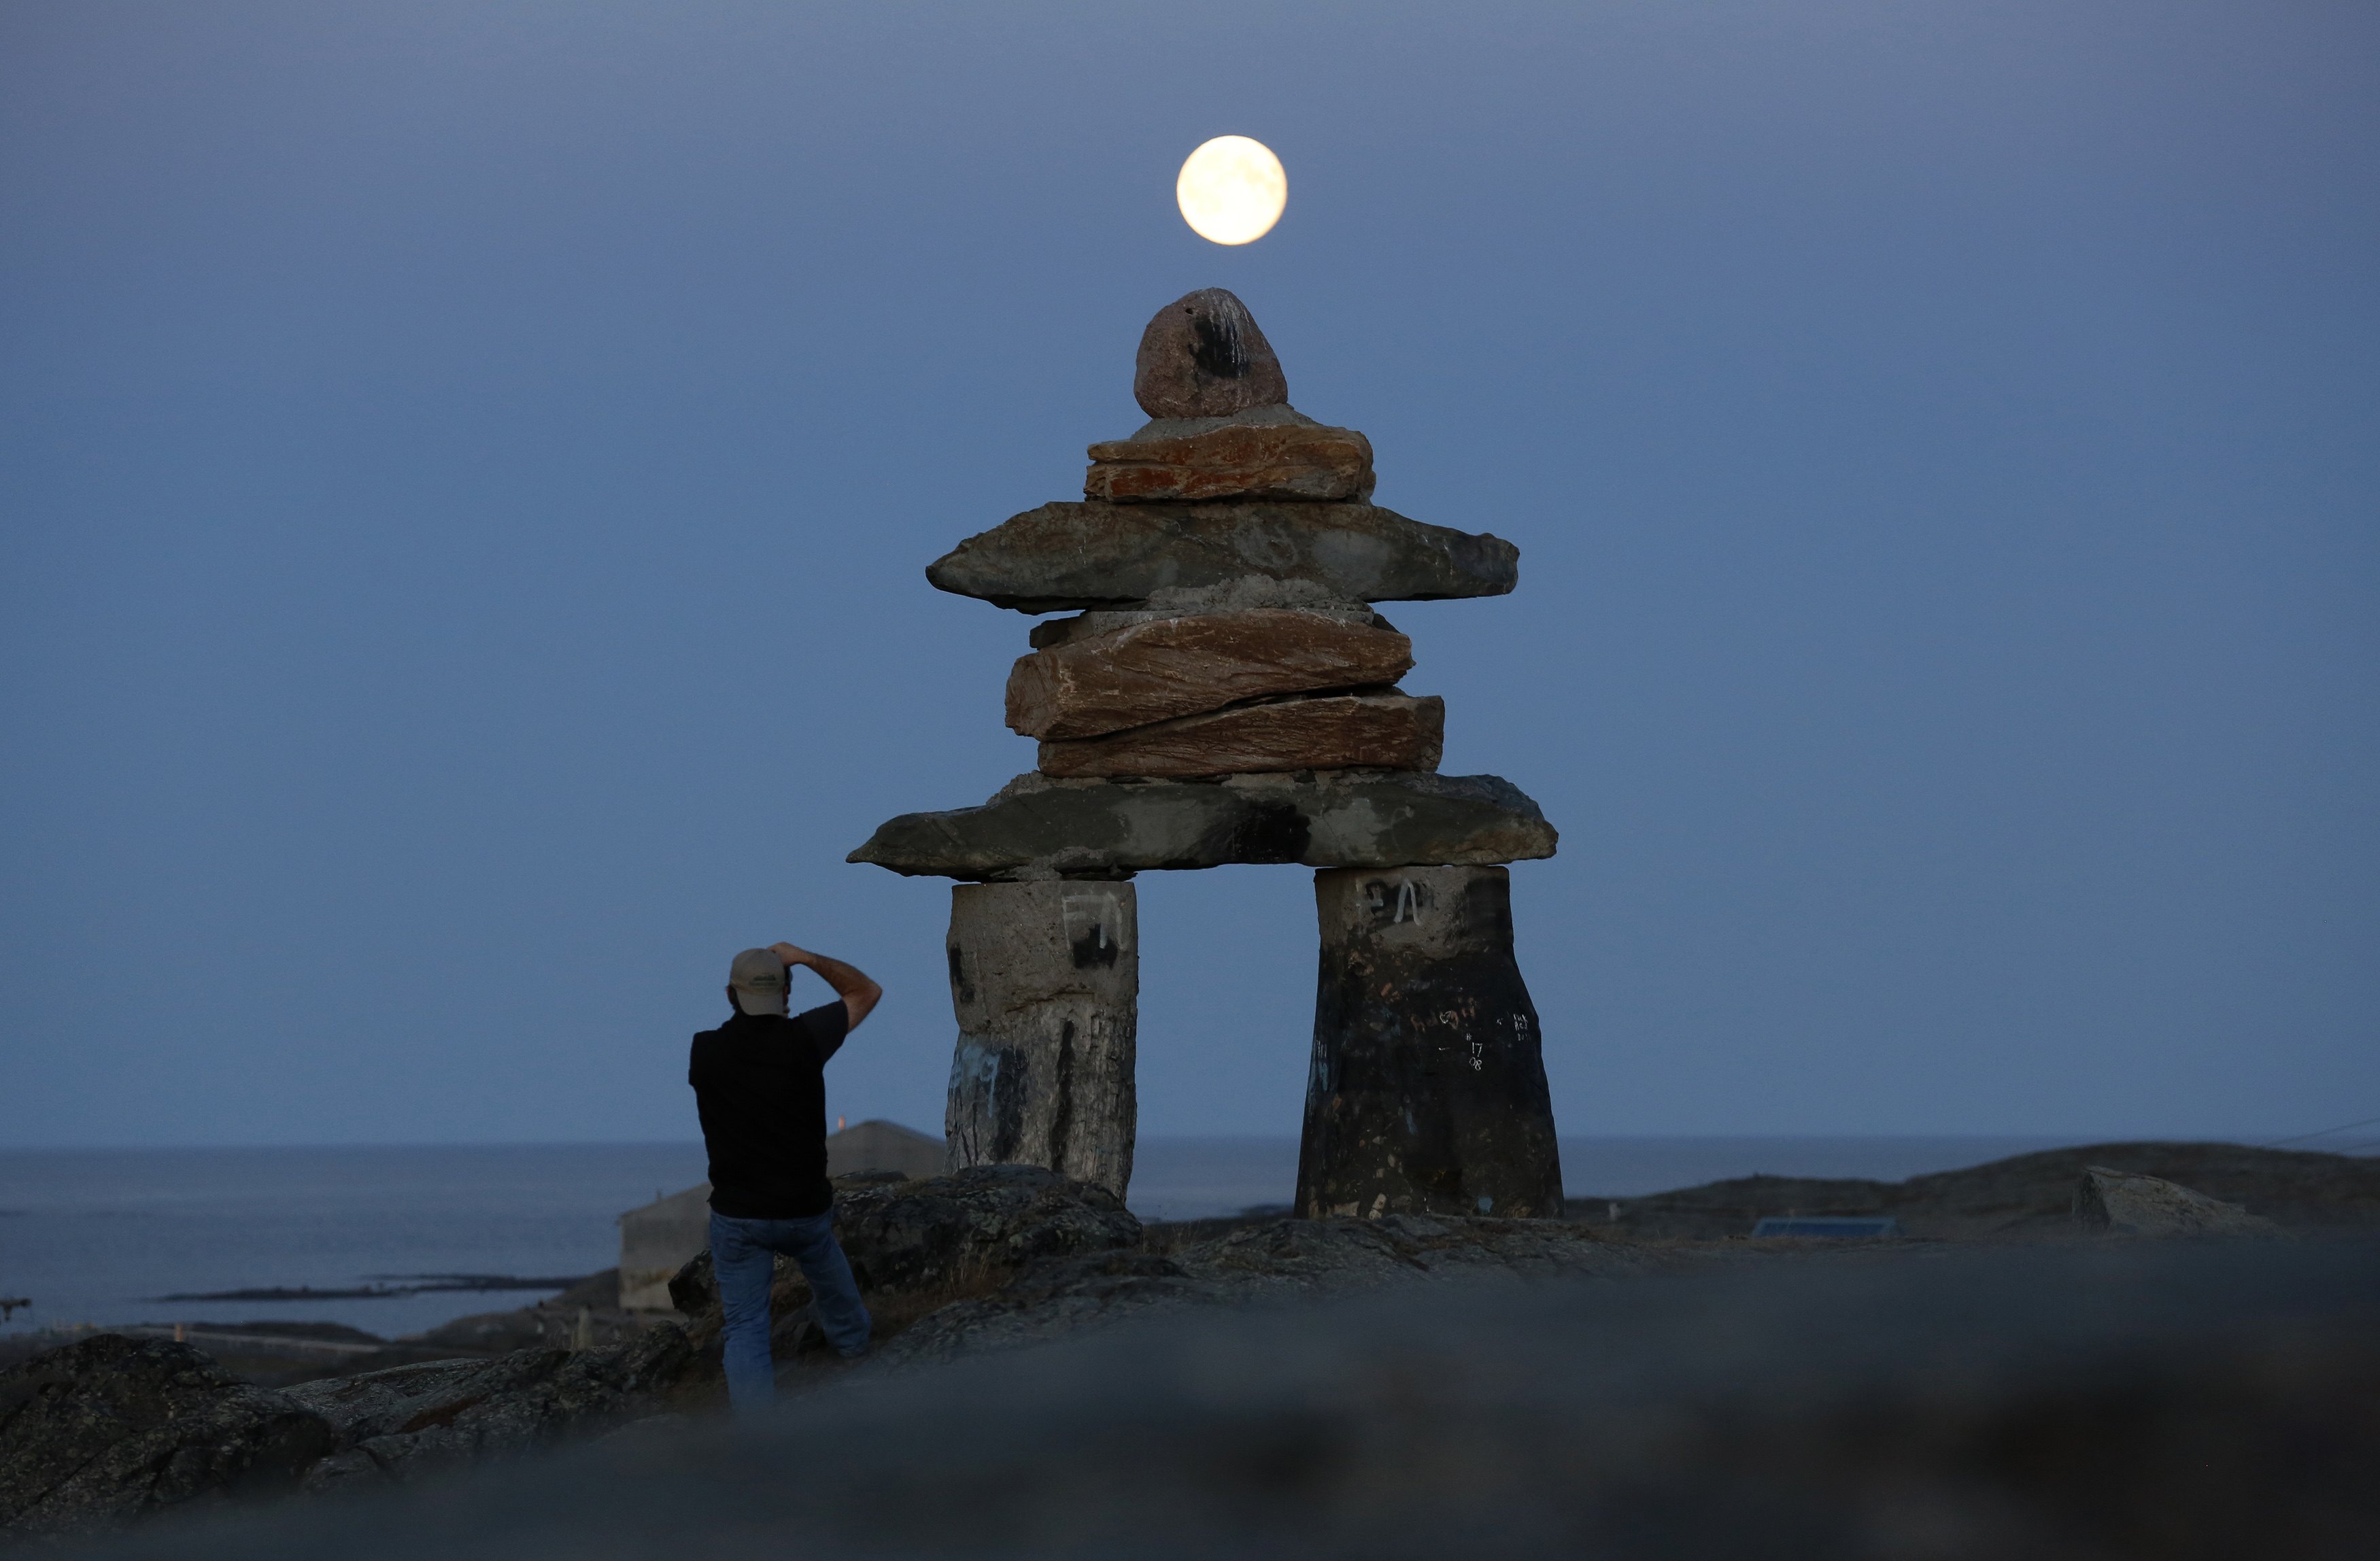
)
(758, 1085)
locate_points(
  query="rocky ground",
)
(281, 1354)
(116, 1431)
(2026, 1197)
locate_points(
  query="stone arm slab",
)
(1389, 730)
(1088, 554)
(1037, 827)
(1297, 461)
(1168, 667)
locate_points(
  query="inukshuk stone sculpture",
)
(1226, 693)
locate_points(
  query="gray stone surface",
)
(1428, 1089)
(114, 1430)
(2150, 1402)
(1040, 827)
(1201, 355)
(410, 1422)
(915, 1244)
(2128, 1204)
(1067, 556)
(1045, 980)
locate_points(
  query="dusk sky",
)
(468, 470)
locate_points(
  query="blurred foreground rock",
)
(2158, 1402)
(2002, 1395)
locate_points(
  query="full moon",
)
(1231, 191)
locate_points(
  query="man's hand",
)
(859, 994)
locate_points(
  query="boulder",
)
(1055, 1299)
(402, 1400)
(112, 1429)
(1237, 458)
(1072, 555)
(1155, 669)
(407, 1421)
(1202, 356)
(1389, 731)
(2177, 1403)
(2125, 1203)
(1038, 827)
(974, 1226)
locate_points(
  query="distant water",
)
(93, 1236)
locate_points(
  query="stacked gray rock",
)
(1224, 692)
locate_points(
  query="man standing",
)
(759, 1087)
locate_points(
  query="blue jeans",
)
(742, 1256)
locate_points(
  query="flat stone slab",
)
(1387, 730)
(1157, 669)
(1089, 554)
(1037, 827)
(1237, 460)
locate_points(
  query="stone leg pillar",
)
(1045, 977)
(1428, 1092)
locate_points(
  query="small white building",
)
(879, 1145)
(657, 1239)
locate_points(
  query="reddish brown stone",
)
(1236, 461)
(1333, 732)
(1203, 357)
(1162, 667)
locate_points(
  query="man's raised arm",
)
(860, 994)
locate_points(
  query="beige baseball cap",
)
(761, 982)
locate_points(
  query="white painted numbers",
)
(1405, 905)
(1095, 918)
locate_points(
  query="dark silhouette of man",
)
(759, 1085)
